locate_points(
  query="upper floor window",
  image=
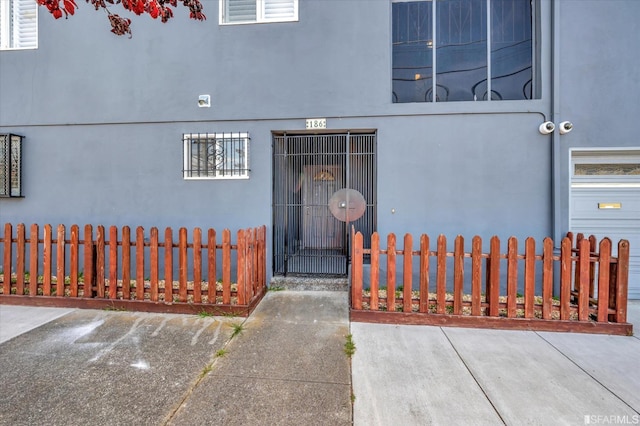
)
(252, 11)
(216, 155)
(18, 24)
(463, 50)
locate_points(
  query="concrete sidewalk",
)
(417, 375)
(287, 366)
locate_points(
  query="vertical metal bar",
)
(433, 51)
(346, 244)
(284, 169)
(489, 50)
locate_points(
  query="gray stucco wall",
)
(104, 116)
(599, 81)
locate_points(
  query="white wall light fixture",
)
(204, 101)
(566, 127)
(547, 127)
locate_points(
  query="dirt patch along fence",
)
(581, 288)
(143, 272)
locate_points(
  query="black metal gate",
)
(308, 171)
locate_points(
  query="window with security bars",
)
(18, 24)
(216, 155)
(10, 165)
(257, 11)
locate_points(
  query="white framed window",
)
(216, 155)
(18, 24)
(258, 11)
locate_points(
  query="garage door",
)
(605, 201)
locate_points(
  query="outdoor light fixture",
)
(204, 101)
(566, 127)
(547, 127)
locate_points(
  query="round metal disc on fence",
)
(347, 205)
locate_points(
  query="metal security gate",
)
(322, 185)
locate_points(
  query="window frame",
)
(10, 24)
(260, 14)
(219, 139)
(11, 148)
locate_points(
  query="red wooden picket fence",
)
(106, 269)
(591, 284)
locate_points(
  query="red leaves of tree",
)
(120, 26)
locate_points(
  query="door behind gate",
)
(307, 171)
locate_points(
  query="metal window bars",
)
(216, 155)
(10, 165)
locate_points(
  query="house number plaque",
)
(316, 123)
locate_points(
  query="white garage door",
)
(605, 201)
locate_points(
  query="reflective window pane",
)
(511, 49)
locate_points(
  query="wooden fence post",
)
(140, 263)
(547, 278)
(126, 263)
(529, 276)
(168, 265)
(407, 273)
(6, 267)
(46, 260)
(458, 274)
(476, 276)
(20, 258)
(262, 278)
(583, 289)
(226, 266)
(391, 272)
(33, 260)
(441, 275)
(60, 260)
(622, 282)
(100, 266)
(197, 265)
(89, 263)
(154, 264)
(241, 253)
(182, 264)
(356, 272)
(113, 262)
(512, 276)
(252, 285)
(211, 266)
(424, 273)
(494, 277)
(593, 247)
(375, 272)
(566, 264)
(576, 281)
(74, 248)
(604, 264)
